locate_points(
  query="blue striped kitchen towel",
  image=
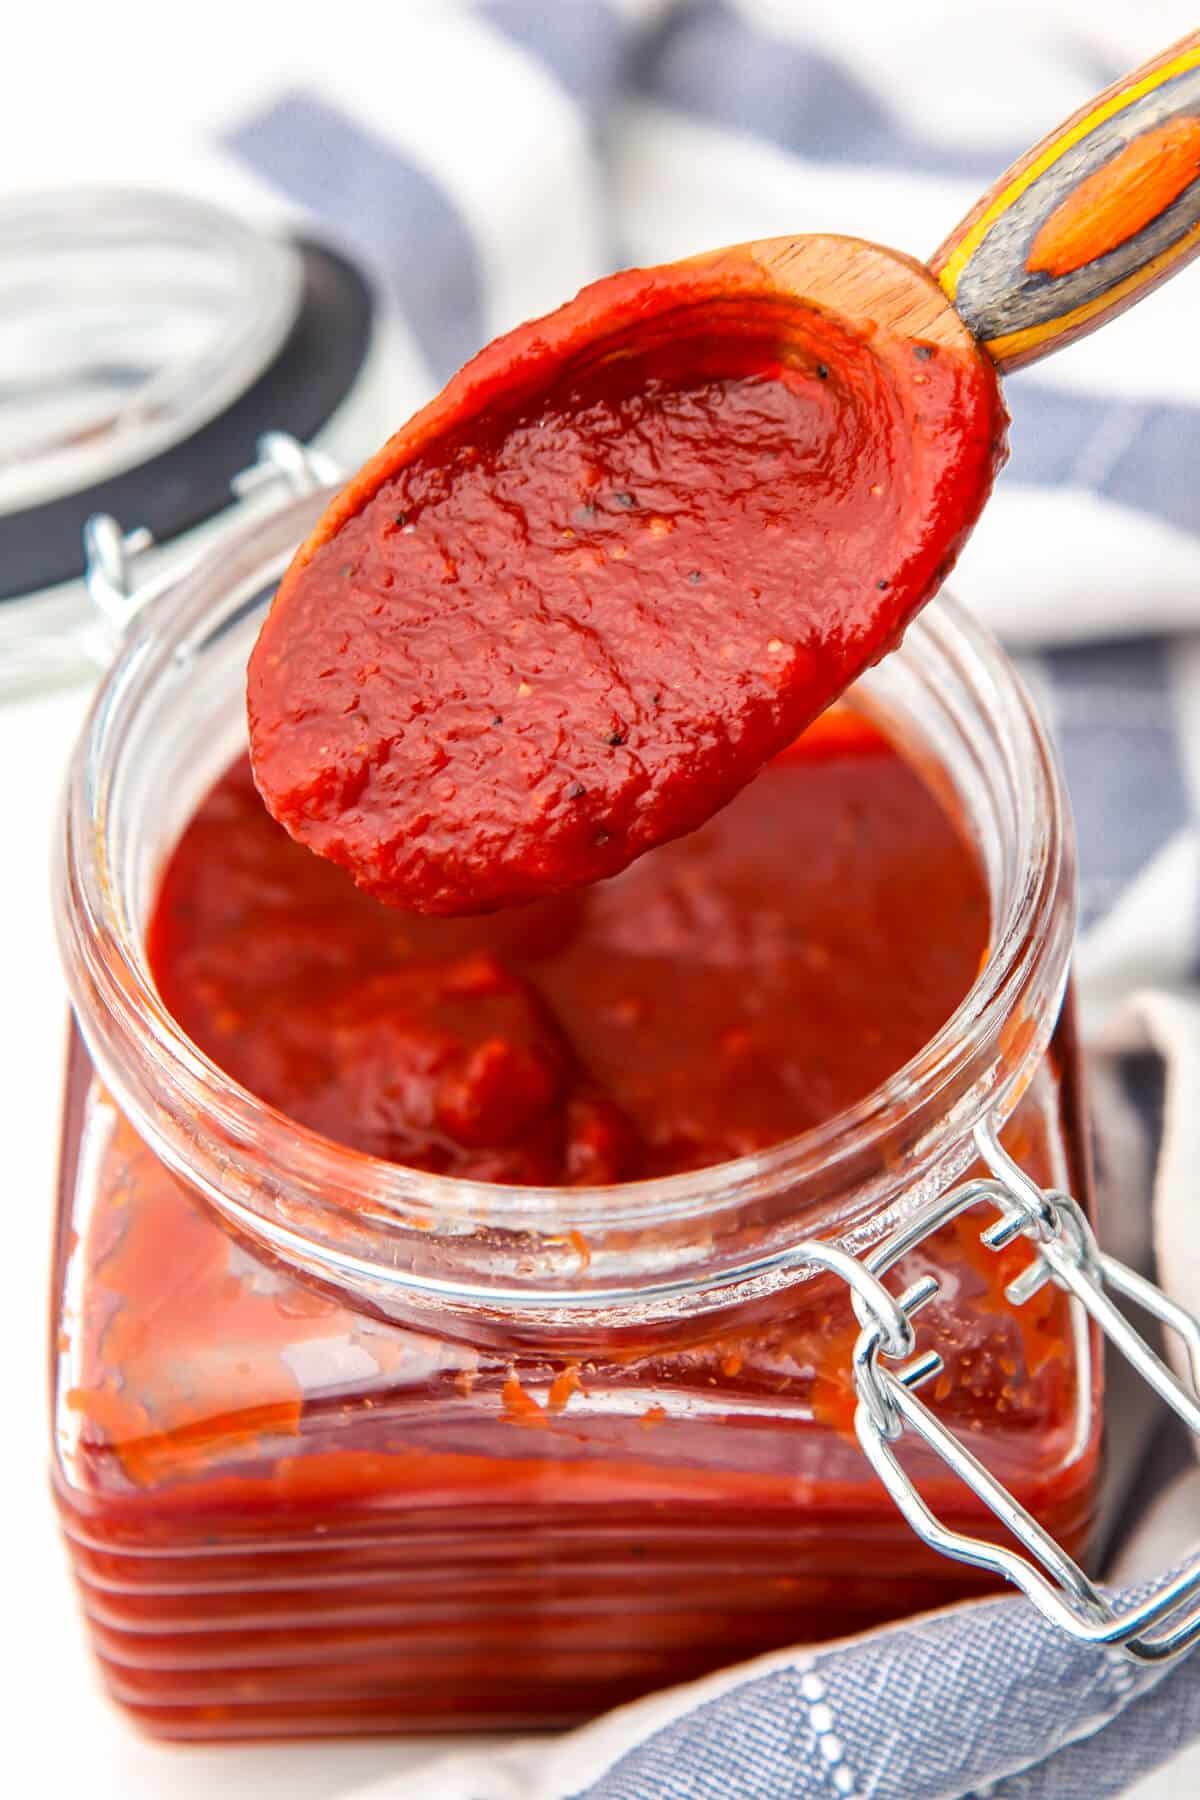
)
(486, 161)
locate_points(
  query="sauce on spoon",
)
(574, 607)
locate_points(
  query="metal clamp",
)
(117, 580)
(1159, 1628)
(109, 558)
(285, 460)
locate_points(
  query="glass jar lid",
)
(128, 319)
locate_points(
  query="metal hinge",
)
(119, 568)
(1160, 1627)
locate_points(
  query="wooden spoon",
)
(632, 549)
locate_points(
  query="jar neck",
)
(168, 719)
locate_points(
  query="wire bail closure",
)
(119, 566)
(1159, 1628)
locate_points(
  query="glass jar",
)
(342, 1446)
(147, 341)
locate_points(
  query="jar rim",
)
(123, 1019)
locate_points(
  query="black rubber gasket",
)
(315, 368)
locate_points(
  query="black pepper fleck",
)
(695, 578)
(624, 499)
(576, 791)
(498, 719)
(616, 737)
(882, 583)
(401, 519)
(923, 352)
(822, 372)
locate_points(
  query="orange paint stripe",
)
(1117, 201)
(1015, 343)
(963, 251)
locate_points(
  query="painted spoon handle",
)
(1097, 214)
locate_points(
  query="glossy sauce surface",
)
(572, 609)
(744, 983)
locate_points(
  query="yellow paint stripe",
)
(1002, 349)
(961, 255)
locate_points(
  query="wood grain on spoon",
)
(1092, 219)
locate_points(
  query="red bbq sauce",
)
(741, 985)
(288, 1516)
(568, 612)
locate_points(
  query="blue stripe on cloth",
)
(746, 1743)
(1143, 454)
(938, 1708)
(1116, 737)
(585, 47)
(381, 205)
(1143, 1078)
(709, 62)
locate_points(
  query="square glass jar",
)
(342, 1446)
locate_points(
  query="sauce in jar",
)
(288, 1515)
(743, 984)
